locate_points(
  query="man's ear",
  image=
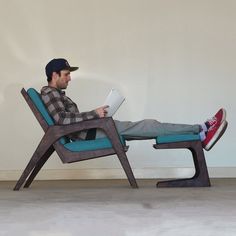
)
(54, 75)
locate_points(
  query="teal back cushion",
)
(36, 99)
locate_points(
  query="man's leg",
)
(210, 131)
(150, 128)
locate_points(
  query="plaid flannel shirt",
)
(64, 111)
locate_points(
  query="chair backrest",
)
(37, 101)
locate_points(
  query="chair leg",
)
(38, 166)
(35, 158)
(201, 175)
(127, 168)
(42, 148)
(119, 149)
(200, 178)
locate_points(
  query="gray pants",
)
(150, 128)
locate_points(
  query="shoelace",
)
(212, 122)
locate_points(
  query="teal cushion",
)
(36, 99)
(89, 145)
(177, 138)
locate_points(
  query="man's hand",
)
(101, 111)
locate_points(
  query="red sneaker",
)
(214, 133)
(220, 115)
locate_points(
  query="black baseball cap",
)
(58, 64)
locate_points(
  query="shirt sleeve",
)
(56, 108)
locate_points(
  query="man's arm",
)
(54, 102)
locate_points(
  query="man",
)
(64, 111)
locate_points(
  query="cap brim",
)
(73, 68)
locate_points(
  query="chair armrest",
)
(58, 131)
(107, 124)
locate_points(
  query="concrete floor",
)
(112, 208)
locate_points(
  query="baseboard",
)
(104, 173)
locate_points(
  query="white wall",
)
(174, 60)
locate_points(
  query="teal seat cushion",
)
(36, 99)
(177, 138)
(89, 145)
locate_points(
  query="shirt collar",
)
(59, 90)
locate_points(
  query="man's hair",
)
(50, 78)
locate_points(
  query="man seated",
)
(64, 111)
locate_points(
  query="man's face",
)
(63, 79)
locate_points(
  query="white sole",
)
(224, 115)
(217, 135)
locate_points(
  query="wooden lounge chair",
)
(55, 139)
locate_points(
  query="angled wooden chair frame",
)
(50, 143)
(201, 177)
